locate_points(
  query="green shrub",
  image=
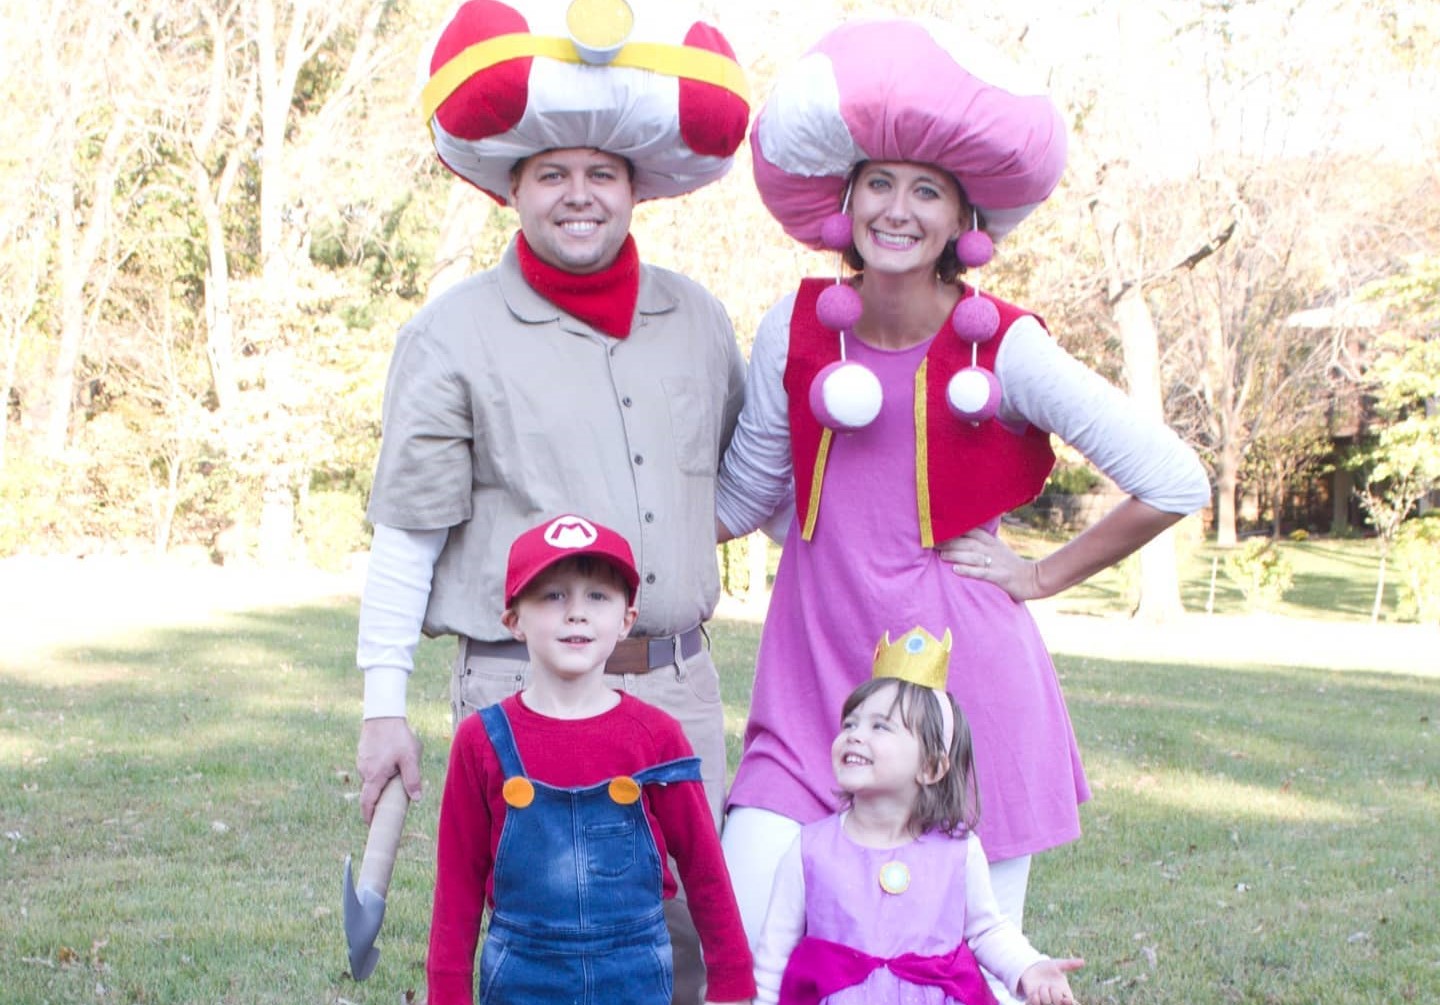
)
(1417, 557)
(1071, 480)
(42, 504)
(735, 566)
(1261, 572)
(334, 527)
(1300, 535)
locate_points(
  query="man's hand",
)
(387, 747)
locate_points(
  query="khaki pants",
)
(690, 691)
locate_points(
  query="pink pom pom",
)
(845, 396)
(973, 394)
(836, 231)
(975, 319)
(839, 307)
(974, 248)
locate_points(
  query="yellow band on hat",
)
(687, 62)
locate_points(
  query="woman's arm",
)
(1045, 386)
(755, 474)
(1048, 388)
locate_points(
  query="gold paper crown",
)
(917, 656)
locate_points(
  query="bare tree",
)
(206, 93)
(89, 137)
(22, 266)
(287, 39)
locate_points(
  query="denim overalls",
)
(577, 878)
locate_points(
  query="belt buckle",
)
(675, 651)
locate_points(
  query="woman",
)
(881, 406)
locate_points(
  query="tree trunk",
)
(464, 222)
(219, 320)
(1277, 509)
(7, 382)
(758, 564)
(72, 326)
(1342, 488)
(1159, 577)
(275, 99)
(1227, 473)
(1379, 590)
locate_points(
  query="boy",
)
(562, 801)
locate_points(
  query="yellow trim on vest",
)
(812, 512)
(687, 62)
(922, 458)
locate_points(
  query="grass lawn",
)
(1334, 580)
(176, 802)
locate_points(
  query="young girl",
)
(889, 900)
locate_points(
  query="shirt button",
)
(650, 578)
(639, 459)
(649, 517)
(626, 401)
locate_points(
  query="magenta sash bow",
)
(819, 968)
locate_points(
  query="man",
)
(568, 378)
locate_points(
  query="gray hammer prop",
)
(364, 912)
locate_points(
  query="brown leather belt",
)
(635, 655)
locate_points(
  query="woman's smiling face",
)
(905, 214)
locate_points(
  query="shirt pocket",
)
(694, 423)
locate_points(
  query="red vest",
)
(965, 473)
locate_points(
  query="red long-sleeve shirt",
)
(571, 753)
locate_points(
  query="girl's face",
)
(904, 215)
(876, 754)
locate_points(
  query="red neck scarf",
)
(604, 300)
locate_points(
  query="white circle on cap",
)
(571, 532)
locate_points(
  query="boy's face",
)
(571, 619)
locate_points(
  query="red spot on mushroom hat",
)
(641, 79)
(905, 91)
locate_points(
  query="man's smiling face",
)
(574, 207)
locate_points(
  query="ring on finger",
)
(987, 561)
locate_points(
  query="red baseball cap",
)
(565, 537)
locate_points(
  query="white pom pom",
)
(973, 394)
(846, 396)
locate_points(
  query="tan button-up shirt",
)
(501, 411)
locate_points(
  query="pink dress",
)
(864, 573)
(865, 946)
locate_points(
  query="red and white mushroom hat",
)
(896, 90)
(641, 79)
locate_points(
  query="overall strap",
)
(497, 727)
(682, 769)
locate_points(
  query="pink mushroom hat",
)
(898, 90)
(642, 79)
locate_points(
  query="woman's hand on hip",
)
(977, 554)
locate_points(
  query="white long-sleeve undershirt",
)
(392, 610)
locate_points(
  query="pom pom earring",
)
(973, 394)
(835, 231)
(844, 396)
